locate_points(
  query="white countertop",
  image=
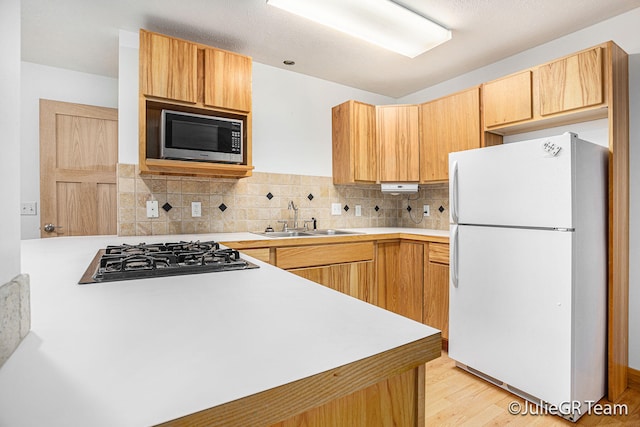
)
(140, 352)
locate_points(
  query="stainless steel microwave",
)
(187, 136)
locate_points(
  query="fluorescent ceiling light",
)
(381, 22)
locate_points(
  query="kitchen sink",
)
(295, 233)
(330, 232)
(285, 233)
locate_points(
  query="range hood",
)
(399, 188)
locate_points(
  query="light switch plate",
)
(28, 208)
(425, 210)
(152, 209)
(358, 210)
(196, 209)
(336, 209)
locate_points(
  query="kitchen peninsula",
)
(249, 347)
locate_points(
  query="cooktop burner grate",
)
(125, 262)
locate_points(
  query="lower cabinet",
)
(400, 269)
(345, 267)
(436, 289)
(356, 279)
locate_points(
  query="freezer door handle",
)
(454, 256)
(454, 192)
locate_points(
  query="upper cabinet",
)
(508, 99)
(448, 124)
(398, 142)
(189, 77)
(567, 90)
(571, 83)
(355, 154)
(168, 67)
(227, 80)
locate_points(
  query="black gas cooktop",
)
(125, 262)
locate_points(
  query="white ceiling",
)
(82, 35)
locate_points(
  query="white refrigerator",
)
(528, 241)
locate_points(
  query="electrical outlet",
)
(196, 209)
(28, 208)
(336, 209)
(152, 209)
(425, 210)
(358, 210)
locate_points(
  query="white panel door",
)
(510, 310)
(518, 184)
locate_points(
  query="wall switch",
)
(336, 209)
(152, 209)
(28, 208)
(425, 210)
(196, 209)
(358, 210)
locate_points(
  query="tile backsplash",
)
(252, 204)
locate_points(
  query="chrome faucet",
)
(295, 213)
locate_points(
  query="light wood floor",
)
(456, 398)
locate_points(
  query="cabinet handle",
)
(454, 256)
(454, 193)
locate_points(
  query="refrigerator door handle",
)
(454, 256)
(454, 193)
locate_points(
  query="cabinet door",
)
(400, 269)
(436, 298)
(448, 124)
(168, 67)
(398, 140)
(355, 279)
(571, 83)
(355, 154)
(507, 100)
(227, 80)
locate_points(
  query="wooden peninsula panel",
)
(385, 389)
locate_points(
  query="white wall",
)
(42, 82)
(291, 115)
(9, 123)
(128, 97)
(624, 31)
(292, 120)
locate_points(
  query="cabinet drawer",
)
(261, 253)
(439, 252)
(309, 256)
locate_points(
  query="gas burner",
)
(217, 256)
(143, 260)
(141, 248)
(192, 246)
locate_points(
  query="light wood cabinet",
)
(571, 83)
(345, 267)
(436, 290)
(567, 90)
(398, 141)
(448, 124)
(508, 99)
(356, 279)
(168, 67)
(355, 154)
(400, 270)
(263, 254)
(184, 76)
(317, 255)
(227, 80)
